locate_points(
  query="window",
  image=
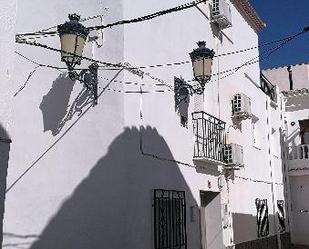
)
(169, 219)
(262, 217)
(304, 131)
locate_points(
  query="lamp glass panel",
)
(198, 68)
(207, 67)
(71, 43)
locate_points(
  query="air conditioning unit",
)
(221, 13)
(241, 106)
(233, 156)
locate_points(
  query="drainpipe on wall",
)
(290, 77)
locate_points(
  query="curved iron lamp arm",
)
(89, 77)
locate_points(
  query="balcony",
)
(209, 138)
(298, 159)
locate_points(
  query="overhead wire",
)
(179, 63)
(161, 82)
(254, 60)
(126, 21)
(266, 54)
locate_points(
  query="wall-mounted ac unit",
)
(241, 106)
(221, 13)
(233, 156)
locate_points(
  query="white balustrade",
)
(300, 152)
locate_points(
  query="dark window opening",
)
(169, 219)
(304, 131)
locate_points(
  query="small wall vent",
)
(221, 13)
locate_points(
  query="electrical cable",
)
(39, 64)
(269, 51)
(233, 70)
(23, 41)
(141, 139)
(128, 21)
(58, 139)
(256, 181)
(27, 80)
(43, 31)
(286, 39)
(219, 55)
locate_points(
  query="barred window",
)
(262, 217)
(169, 219)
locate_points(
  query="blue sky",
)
(284, 18)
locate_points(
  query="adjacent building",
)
(294, 82)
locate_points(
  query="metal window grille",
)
(236, 103)
(209, 135)
(262, 217)
(216, 7)
(169, 219)
(228, 154)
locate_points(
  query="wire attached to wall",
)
(128, 21)
(256, 181)
(141, 139)
(267, 53)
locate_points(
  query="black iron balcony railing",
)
(209, 133)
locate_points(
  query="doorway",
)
(211, 220)
(300, 209)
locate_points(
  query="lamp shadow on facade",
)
(113, 206)
(182, 109)
(55, 106)
(4, 158)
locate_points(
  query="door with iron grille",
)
(169, 219)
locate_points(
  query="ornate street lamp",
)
(73, 36)
(202, 58)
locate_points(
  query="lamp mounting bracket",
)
(89, 77)
(182, 88)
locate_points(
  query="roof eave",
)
(246, 9)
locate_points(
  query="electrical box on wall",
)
(233, 156)
(221, 13)
(241, 106)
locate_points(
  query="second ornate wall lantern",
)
(202, 58)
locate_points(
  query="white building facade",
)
(139, 169)
(294, 82)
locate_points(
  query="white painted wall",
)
(164, 41)
(87, 185)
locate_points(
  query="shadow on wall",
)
(297, 103)
(112, 207)
(4, 158)
(55, 105)
(245, 234)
